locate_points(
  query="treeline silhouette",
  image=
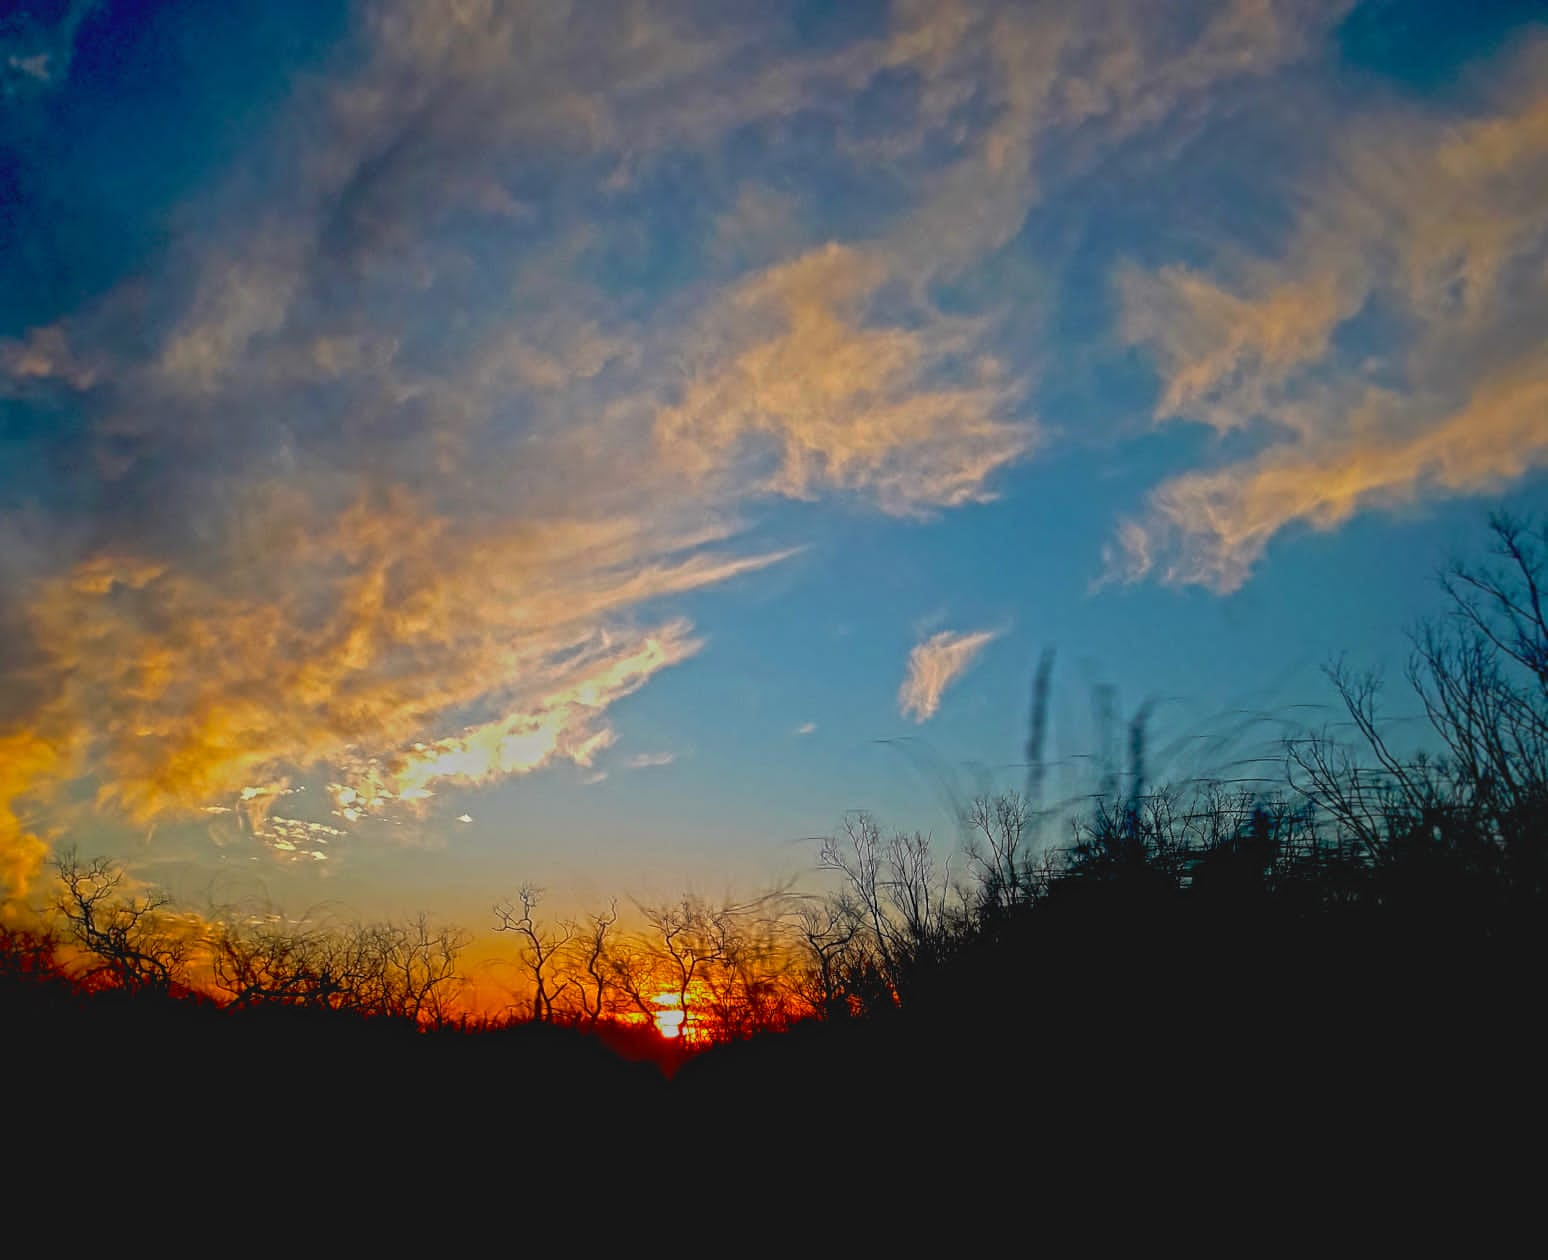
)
(1351, 963)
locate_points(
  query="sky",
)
(452, 445)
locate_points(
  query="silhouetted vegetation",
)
(1360, 949)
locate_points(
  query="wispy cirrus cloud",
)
(563, 720)
(1433, 230)
(935, 665)
(812, 398)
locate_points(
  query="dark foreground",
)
(1120, 1040)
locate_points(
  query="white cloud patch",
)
(298, 839)
(644, 761)
(935, 665)
(35, 56)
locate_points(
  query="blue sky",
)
(450, 445)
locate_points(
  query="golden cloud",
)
(1439, 225)
(27, 761)
(376, 628)
(815, 398)
(1213, 527)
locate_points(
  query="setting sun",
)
(669, 1015)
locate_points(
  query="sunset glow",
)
(669, 1015)
(453, 448)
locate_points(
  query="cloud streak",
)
(935, 665)
(646, 761)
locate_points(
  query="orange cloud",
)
(1439, 225)
(1224, 353)
(375, 629)
(810, 396)
(26, 762)
(1211, 528)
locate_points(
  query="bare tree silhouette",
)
(407, 971)
(128, 935)
(589, 951)
(543, 949)
(998, 849)
(1481, 675)
(825, 928)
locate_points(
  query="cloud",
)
(933, 666)
(800, 395)
(806, 728)
(1226, 354)
(1429, 228)
(33, 57)
(298, 839)
(644, 761)
(384, 626)
(26, 761)
(563, 721)
(1214, 527)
